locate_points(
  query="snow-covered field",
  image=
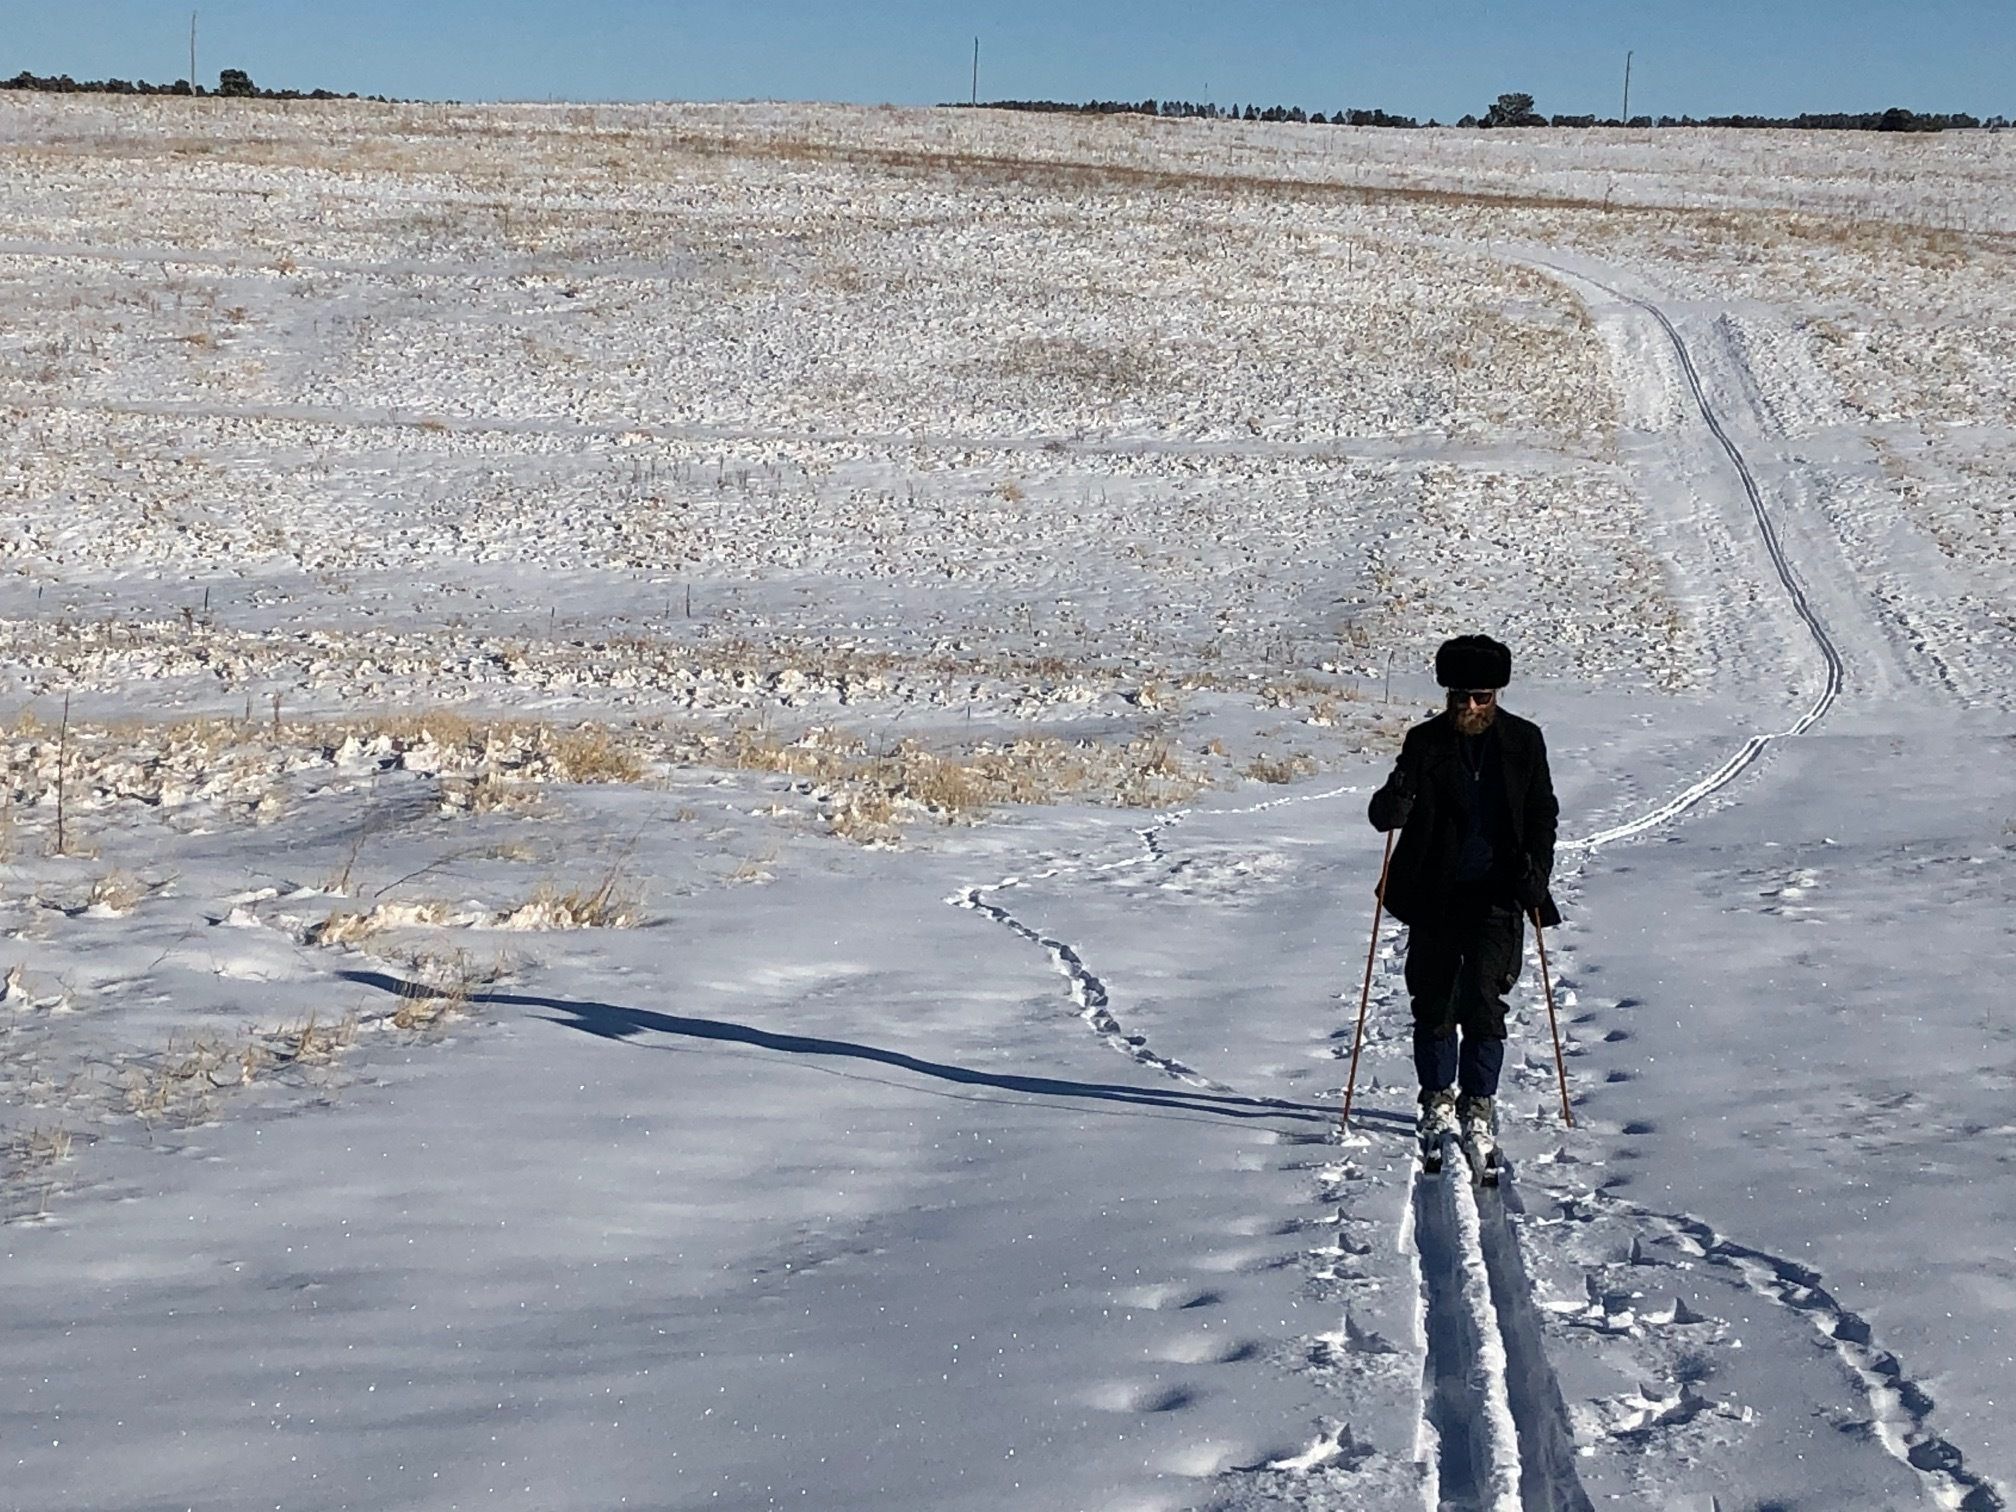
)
(900, 612)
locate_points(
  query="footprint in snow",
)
(1139, 1397)
(1169, 1296)
(1211, 1457)
(1265, 1226)
(1204, 1349)
(1242, 1262)
(1676, 1314)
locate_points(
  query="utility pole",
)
(976, 70)
(192, 52)
(1625, 119)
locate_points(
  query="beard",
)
(1471, 720)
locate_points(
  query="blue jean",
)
(1458, 972)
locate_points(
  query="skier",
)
(1474, 803)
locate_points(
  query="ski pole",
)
(1560, 1065)
(1365, 997)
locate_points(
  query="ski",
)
(1480, 1149)
(1431, 1154)
(1437, 1125)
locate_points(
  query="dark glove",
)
(1396, 800)
(1530, 891)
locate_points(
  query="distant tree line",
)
(232, 84)
(1894, 119)
(1517, 110)
(1190, 110)
(1507, 110)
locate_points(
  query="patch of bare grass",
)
(489, 793)
(29, 1161)
(592, 753)
(180, 1084)
(310, 1041)
(1084, 365)
(348, 927)
(442, 988)
(35, 1148)
(115, 894)
(865, 816)
(608, 904)
(1280, 769)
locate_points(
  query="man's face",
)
(1473, 709)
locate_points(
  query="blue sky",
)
(1420, 57)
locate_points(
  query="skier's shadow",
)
(614, 1022)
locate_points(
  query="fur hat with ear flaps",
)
(1473, 661)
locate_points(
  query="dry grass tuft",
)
(489, 793)
(348, 927)
(310, 1042)
(1156, 777)
(755, 869)
(607, 905)
(180, 1085)
(430, 1008)
(1280, 768)
(32, 1149)
(866, 800)
(866, 817)
(31, 1157)
(823, 755)
(115, 894)
(945, 787)
(592, 753)
(443, 986)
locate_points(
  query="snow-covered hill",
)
(683, 809)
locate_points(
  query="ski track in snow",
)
(1466, 1396)
(1494, 1433)
(1547, 1476)
(1830, 656)
(1901, 1410)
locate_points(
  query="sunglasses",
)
(1480, 696)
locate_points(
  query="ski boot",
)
(1477, 1124)
(1438, 1120)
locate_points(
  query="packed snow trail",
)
(1830, 656)
(1515, 1369)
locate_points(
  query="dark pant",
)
(1459, 969)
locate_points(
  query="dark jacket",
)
(1427, 798)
